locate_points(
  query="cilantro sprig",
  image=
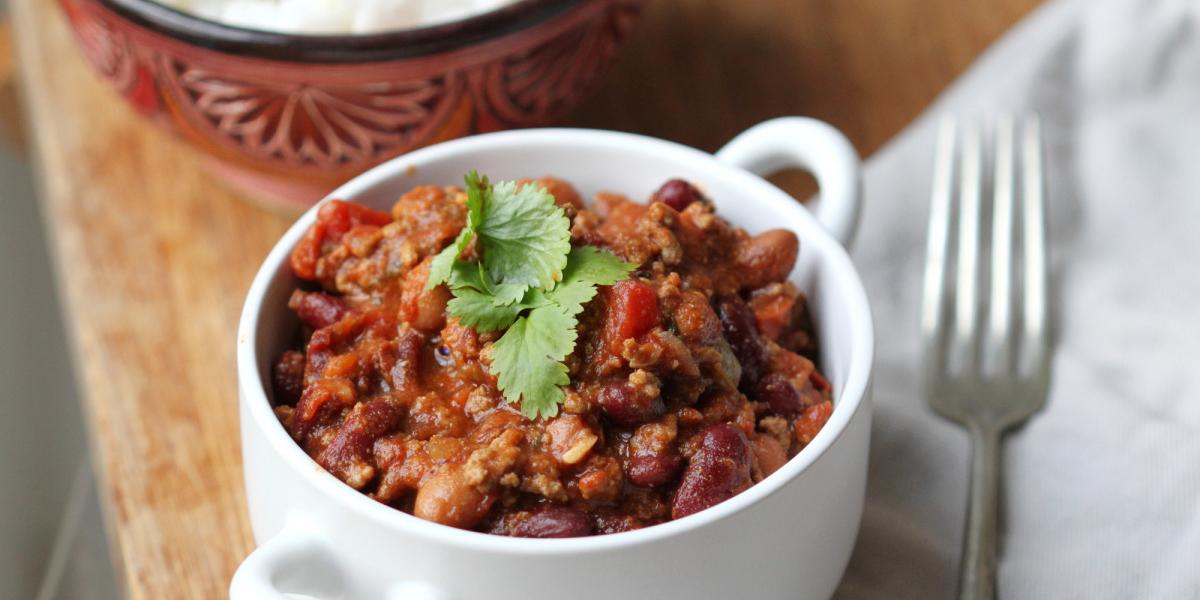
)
(527, 281)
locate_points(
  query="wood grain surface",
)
(154, 257)
(12, 132)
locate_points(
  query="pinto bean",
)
(743, 337)
(550, 521)
(766, 258)
(423, 309)
(449, 498)
(718, 470)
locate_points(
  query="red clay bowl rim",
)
(339, 48)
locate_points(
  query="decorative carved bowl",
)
(287, 118)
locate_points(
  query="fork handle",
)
(977, 576)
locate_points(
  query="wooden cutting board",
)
(153, 257)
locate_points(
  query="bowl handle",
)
(298, 560)
(812, 145)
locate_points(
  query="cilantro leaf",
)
(473, 276)
(587, 267)
(528, 357)
(527, 360)
(529, 281)
(477, 309)
(443, 263)
(525, 235)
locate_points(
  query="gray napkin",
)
(1102, 489)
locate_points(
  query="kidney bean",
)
(677, 194)
(400, 362)
(449, 498)
(652, 470)
(653, 458)
(346, 455)
(777, 391)
(632, 311)
(287, 378)
(317, 309)
(329, 394)
(718, 469)
(766, 258)
(625, 407)
(742, 335)
(550, 521)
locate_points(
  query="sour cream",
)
(333, 16)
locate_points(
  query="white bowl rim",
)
(848, 401)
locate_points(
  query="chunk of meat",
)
(769, 456)
(571, 439)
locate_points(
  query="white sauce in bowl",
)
(333, 16)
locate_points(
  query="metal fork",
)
(987, 372)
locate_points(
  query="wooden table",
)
(154, 257)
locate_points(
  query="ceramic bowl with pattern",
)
(287, 118)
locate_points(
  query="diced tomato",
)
(772, 314)
(334, 219)
(810, 422)
(819, 382)
(632, 311)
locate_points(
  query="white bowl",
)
(787, 537)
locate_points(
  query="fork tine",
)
(997, 352)
(967, 275)
(932, 306)
(1036, 335)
